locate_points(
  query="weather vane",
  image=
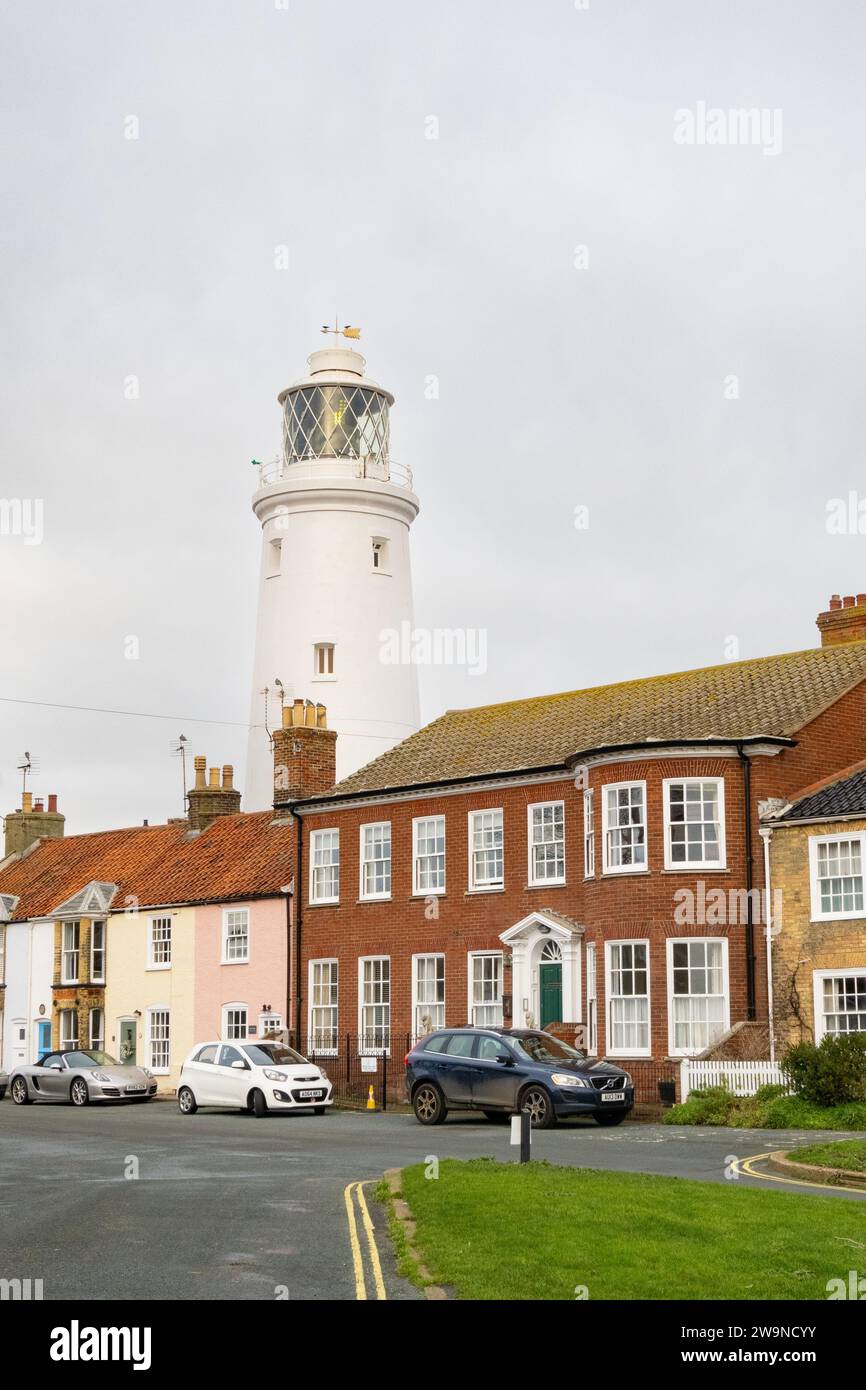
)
(348, 330)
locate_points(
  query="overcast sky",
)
(600, 378)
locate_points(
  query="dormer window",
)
(323, 659)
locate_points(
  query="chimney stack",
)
(844, 621)
(33, 823)
(214, 798)
(305, 753)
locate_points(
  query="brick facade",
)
(606, 908)
(803, 945)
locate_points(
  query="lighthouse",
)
(335, 582)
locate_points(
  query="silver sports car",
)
(4, 1082)
(80, 1077)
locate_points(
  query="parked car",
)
(4, 1082)
(501, 1071)
(80, 1077)
(253, 1076)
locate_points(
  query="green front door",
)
(127, 1042)
(550, 989)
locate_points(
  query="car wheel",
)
(429, 1104)
(606, 1118)
(186, 1103)
(258, 1104)
(20, 1093)
(78, 1092)
(537, 1104)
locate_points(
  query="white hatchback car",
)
(253, 1076)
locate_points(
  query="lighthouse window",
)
(274, 557)
(324, 658)
(380, 554)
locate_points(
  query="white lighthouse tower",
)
(335, 578)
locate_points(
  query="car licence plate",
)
(311, 1095)
(613, 1095)
(131, 1089)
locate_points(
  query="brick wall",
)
(803, 946)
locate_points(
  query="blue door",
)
(43, 1038)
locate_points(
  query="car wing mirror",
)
(505, 1058)
(239, 1066)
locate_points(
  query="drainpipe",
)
(766, 835)
(750, 921)
(298, 898)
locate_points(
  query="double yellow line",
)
(355, 1192)
(744, 1165)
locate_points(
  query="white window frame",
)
(235, 1007)
(472, 1002)
(588, 834)
(380, 562)
(226, 959)
(270, 1022)
(818, 915)
(686, 865)
(366, 1049)
(591, 998)
(334, 863)
(150, 1042)
(68, 951)
(2, 961)
(673, 941)
(97, 1044)
(487, 885)
(324, 661)
(610, 1050)
(607, 828)
(417, 1004)
(152, 963)
(68, 1044)
(417, 890)
(818, 978)
(98, 979)
(534, 880)
(312, 1007)
(364, 863)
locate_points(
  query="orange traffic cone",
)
(371, 1104)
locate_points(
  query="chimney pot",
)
(27, 801)
(52, 801)
(297, 712)
(321, 717)
(39, 806)
(199, 763)
(287, 716)
(861, 600)
(835, 602)
(228, 777)
(848, 601)
(310, 715)
(214, 778)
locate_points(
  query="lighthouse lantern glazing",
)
(335, 576)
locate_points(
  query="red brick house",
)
(589, 858)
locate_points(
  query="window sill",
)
(545, 883)
(323, 902)
(322, 680)
(433, 893)
(837, 917)
(244, 961)
(380, 898)
(473, 892)
(156, 968)
(696, 868)
(629, 1056)
(624, 873)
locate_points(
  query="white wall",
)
(29, 975)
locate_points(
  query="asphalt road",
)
(225, 1206)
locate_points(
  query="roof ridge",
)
(646, 680)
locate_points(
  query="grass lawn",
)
(845, 1153)
(501, 1230)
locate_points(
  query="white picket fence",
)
(743, 1078)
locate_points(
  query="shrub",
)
(795, 1112)
(769, 1092)
(711, 1105)
(833, 1073)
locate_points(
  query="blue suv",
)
(501, 1071)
